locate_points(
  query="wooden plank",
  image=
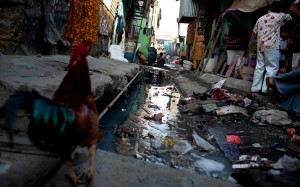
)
(222, 71)
(211, 49)
(232, 65)
(220, 62)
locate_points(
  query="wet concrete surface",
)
(27, 166)
(168, 142)
(157, 141)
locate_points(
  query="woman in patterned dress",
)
(83, 22)
(199, 47)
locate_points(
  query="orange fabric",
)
(199, 47)
(83, 22)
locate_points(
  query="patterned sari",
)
(83, 22)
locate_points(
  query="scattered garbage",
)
(285, 122)
(275, 117)
(296, 124)
(295, 138)
(191, 108)
(274, 172)
(257, 145)
(254, 158)
(287, 163)
(183, 162)
(124, 140)
(187, 65)
(218, 84)
(202, 143)
(168, 142)
(156, 143)
(211, 138)
(209, 107)
(233, 139)
(231, 109)
(247, 102)
(182, 147)
(290, 131)
(201, 96)
(155, 117)
(207, 165)
(116, 53)
(138, 156)
(222, 94)
(245, 166)
(283, 148)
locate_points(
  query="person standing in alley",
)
(267, 31)
(161, 60)
(82, 23)
(142, 59)
(198, 48)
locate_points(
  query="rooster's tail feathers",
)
(43, 111)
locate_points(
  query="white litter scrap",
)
(247, 102)
(202, 143)
(245, 166)
(207, 165)
(254, 158)
(275, 117)
(116, 53)
(218, 84)
(187, 65)
(287, 163)
(231, 109)
(182, 147)
(257, 145)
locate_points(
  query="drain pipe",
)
(116, 98)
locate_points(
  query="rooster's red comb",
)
(79, 53)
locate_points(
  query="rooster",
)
(68, 120)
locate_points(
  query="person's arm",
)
(194, 43)
(143, 59)
(286, 17)
(202, 40)
(254, 32)
(295, 11)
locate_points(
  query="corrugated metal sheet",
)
(114, 7)
(191, 9)
(250, 5)
(106, 21)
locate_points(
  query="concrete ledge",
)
(45, 73)
(112, 170)
(230, 82)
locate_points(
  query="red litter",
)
(233, 139)
(291, 131)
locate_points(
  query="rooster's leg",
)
(70, 172)
(92, 152)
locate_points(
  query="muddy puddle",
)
(146, 124)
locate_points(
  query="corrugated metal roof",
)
(191, 9)
(114, 7)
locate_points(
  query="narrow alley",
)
(150, 93)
